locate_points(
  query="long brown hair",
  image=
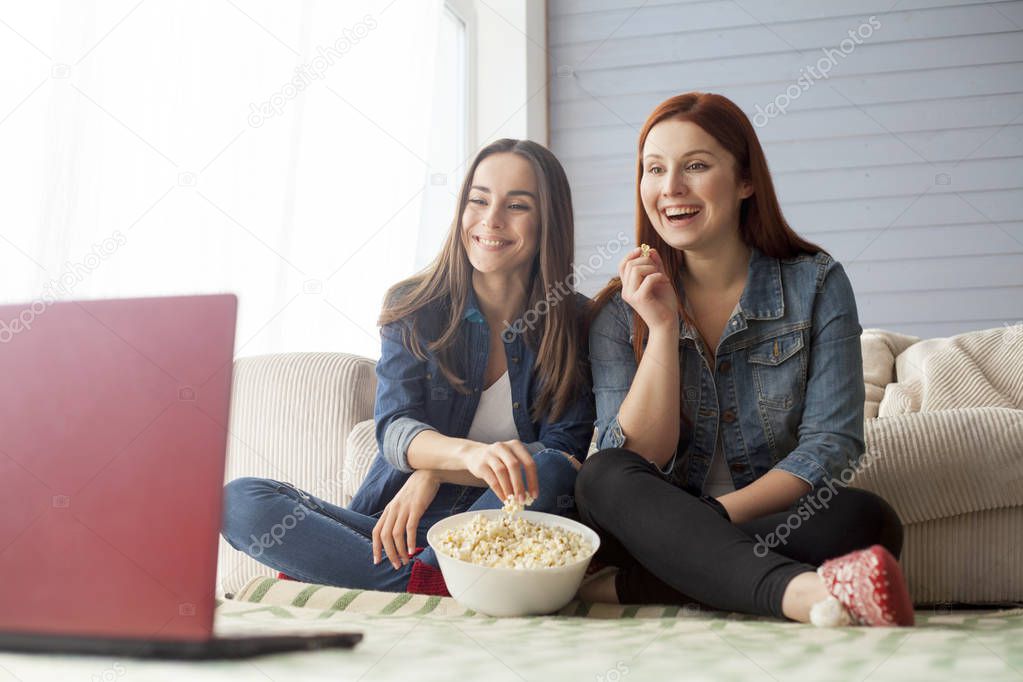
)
(433, 301)
(761, 223)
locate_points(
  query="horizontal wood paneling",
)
(906, 162)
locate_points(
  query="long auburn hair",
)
(432, 302)
(761, 223)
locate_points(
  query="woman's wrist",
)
(427, 475)
(667, 330)
(431, 450)
(465, 450)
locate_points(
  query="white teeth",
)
(491, 242)
(672, 211)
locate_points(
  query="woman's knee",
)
(873, 511)
(244, 499)
(556, 472)
(597, 476)
(889, 527)
(556, 466)
(247, 490)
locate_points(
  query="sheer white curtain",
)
(281, 151)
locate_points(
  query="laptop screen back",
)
(113, 429)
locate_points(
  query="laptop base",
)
(211, 649)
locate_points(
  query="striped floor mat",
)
(292, 593)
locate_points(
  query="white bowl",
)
(511, 591)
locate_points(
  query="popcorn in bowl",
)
(512, 564)
(514, 542)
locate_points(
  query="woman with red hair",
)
(729, 390)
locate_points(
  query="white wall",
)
(905, 162)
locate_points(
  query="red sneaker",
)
(869, 584)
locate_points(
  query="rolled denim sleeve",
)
(831, 431)
(399, 410)
(613, 366)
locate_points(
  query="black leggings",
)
(674, 548)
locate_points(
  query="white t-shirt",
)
(719, 478)
(494, 420)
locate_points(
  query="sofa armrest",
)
(291, 415)
(934, 465)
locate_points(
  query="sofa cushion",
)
(933, 465)
(976, 369)
(361, 450)
(880, 348)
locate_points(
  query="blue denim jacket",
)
(413, 396)
(787, 390)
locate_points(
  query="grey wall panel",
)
(905, 162)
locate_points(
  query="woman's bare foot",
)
(600, 587)
(802, 592)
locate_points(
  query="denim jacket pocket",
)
(779, 370)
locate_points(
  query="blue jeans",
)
(314, 541)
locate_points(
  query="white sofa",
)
(954, 476)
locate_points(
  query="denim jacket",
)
(787, 387)
(413, 396)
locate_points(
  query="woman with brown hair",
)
(481, 384)
(729, 390)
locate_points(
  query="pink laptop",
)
(113, 433)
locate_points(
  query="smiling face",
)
(689, 187)
(501, 220)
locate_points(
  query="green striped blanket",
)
(423, 638)
(293, 593)
(414, 637)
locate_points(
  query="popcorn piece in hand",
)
(513, 506)
(645, 248)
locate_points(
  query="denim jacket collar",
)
(763, 299)
(472, 307)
